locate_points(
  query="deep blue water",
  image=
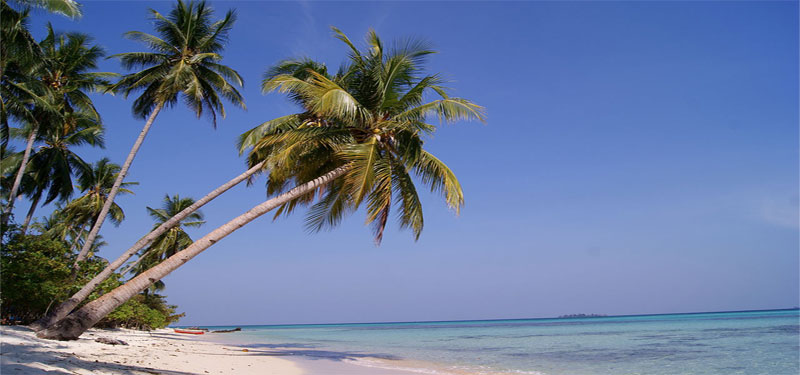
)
(756, 342)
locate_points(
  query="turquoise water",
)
(758, 342)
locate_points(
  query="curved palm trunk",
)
(12, 196)
(29, 216)
(67, 306)
(77, 239)
(71, 327)
(115, 188)
(134, 264)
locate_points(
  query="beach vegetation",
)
(38, 272)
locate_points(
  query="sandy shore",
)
(158, 352)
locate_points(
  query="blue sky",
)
(639, 157)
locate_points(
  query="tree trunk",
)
(71, 327)
(132, 265)
(67, 306)
(77, 240)
(29, 216)
(114, 189)
(12, 196)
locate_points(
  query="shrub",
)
(36, 274)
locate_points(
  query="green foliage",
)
(172, 241)
(371, 116)
(37, 274)
(68, 8)
(143, 311)
(185, 61)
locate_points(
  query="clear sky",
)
(639, 157)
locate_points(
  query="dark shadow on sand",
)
(307, 352)
(67, 363)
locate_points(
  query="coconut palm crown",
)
(371, 116)
(95, 183)
(68, 8)
(184, 61)
(67, 70)
(169, 243)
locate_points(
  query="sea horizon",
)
(589, 316)
(713, 342)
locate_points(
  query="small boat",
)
(189, 331)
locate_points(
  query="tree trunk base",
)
(55, 315)
(69, 328)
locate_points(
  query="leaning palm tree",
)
(67, 306)
(359, 138)
(171, 242)
(185, 62)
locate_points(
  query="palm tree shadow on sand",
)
(310, 352)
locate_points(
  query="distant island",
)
(583, 316)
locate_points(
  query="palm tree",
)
(67, 8)
(9, 165)
(54, 164)
(17, 51)
(95, 183)
(358, 137)
(185, 62)
(19, 47)
(20, 91)
(171, 242)
(64, 73)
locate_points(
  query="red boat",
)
(189, 331)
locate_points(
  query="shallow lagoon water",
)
(756, 342)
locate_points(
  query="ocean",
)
(750, 342)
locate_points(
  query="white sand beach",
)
(157, 352)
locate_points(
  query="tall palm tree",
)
(171, 242)
(54, 164)
(19, 47)
(17, 51)
(358, 138)
(64, 73)
(185, 62)
(20, 91)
